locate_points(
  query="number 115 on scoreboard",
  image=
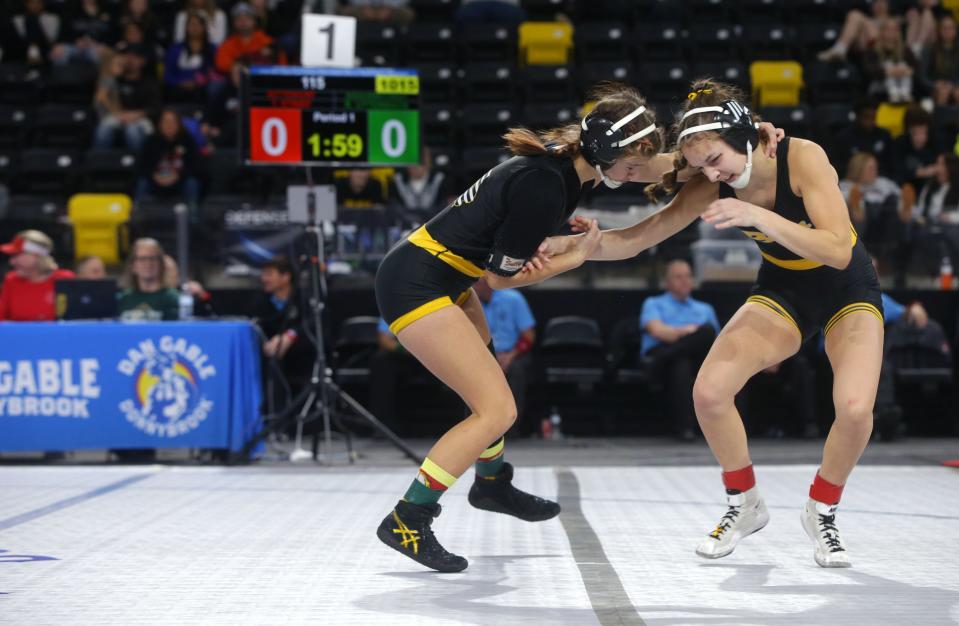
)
(378, 137)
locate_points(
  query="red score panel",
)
(275, 135)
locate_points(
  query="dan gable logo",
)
(168, 380)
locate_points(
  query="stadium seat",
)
(890, 116)
(732, 72)
(15, 124)
(478, 161)
(601, 42)
(543, 9)
(438, 83)
(429, 43)
(378, 43)
(548, 83)
(658, 41)
(571, 351)
(99, 225)
(489, 43)
(707, 10)
(588, 75)
(489, 82)
(8, 166)
(439, 125)
(71, 84)
(813, 38)
(355, 345)
(796, 121)
(484, 124)
(19, 85)
(622, 355)
(42, 212)
(763, 11)
(545, 43)
(108, 171)
(46, 171)
(62, 126)
(434, 10)
(776, 83)
(767, 41)
(713, 40)
(829, 120)
(544, 116)
(664, 81)
(833, 83)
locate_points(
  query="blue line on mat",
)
(29, 516)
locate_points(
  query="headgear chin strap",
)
(743, 179)
(602, 141)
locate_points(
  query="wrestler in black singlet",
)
(495, 225)
(810, 295)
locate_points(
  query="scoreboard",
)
(329, 116)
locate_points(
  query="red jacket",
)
(248, 52)
(23, 300)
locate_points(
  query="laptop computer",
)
(86, 299)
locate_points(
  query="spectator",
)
(248, 45)
(202, 300)
(36, 30)
(359, 190)
(865, 136)
(146, 296)
(278, 314)
(940, 64)
(890, 65)
(88, 27)
(677, 333)
(921, 21)
(419, 193)
(859, 31)
(125, 99)
(138, 12)
(874, 203)
(916, 150)
(132, 36)
(28, 294)
(935, 218)
(272, 20)
(513, 331)
(214, 19)
(507, 12)
(188, 68)
(396, 11)
(168, 164)
(91, 268)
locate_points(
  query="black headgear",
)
(601, 141)
(731, 119)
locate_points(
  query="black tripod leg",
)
(360, 410)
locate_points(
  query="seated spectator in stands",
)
(890, 66)
(138, 13)
(214, 19)
(36, 31)
(513, 329)
(126, 97)
(91, 268)
(188, 69)
(864, 136)
(359, 190)
(168, 164)
(859, 31)
(87, 27)
(279, 315)
(508, 12)
(940, 64)
(935, 216)
(133, 37)
(272, 20)
(678, 331)
(202, 300)
(248, 45)
(916, 150)
(146, 296)
(396, 11)
(874, 203)
(418, 193)
(28, 294)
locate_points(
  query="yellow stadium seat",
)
(890, 117)
(776, 83)
(952, 6)
(545, 43)
(98, 220)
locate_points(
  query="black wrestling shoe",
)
(407, 530)
(497, 494)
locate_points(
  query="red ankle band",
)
(824, 491)
(741, 479)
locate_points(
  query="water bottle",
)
(555, 421)
(546, 429)
(945, 274)
(186, 305)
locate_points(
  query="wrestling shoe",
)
(819, 522)
(407, 530)
(746, 514)
(497, 494)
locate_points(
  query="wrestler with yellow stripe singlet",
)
(423, 289)
(815, 276)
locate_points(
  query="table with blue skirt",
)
(113, 385)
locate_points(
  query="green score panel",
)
(379, 137)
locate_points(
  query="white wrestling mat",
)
(257, 545)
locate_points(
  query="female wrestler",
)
(815, 275)
(423, 289)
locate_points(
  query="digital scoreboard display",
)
(329, 116)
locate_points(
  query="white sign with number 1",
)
(328, 41)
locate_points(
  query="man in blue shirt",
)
(513, 329)
(677, 333)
